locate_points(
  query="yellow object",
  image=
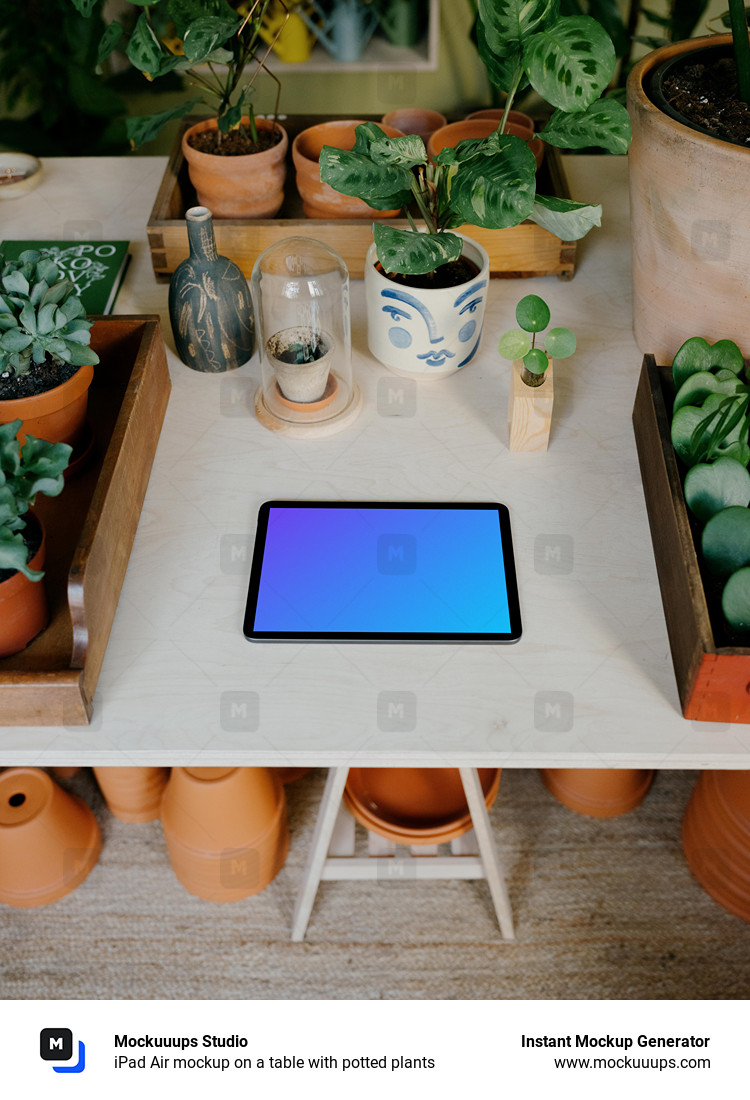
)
(290, 38)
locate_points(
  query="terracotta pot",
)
(133, 794)
(58, 415)
(250, 186)
(689, 238)
(472, 128)
(439, 336)
(716, 838)
(318, 199)
(523, 124)
(49, 839)
(226, 830)
(65, 773)
(301, 383)
(415, 120)
(414, 805)
(291, 775)
(23, 607)
(598, 792)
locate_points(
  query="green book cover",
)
(96, 268)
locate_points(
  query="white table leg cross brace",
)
(334, 833)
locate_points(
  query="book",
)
(96, 268)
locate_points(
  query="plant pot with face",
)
(243, 184)
(36, 466)
(301, 359)
(46, 364)
(690, 239)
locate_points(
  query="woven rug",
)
(603, 909)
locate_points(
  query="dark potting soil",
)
(707, 95)
(32, 536)
(451, 274)
(37, 380)
(237, 143)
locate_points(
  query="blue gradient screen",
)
(383, 571)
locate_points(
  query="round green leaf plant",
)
(533, 315)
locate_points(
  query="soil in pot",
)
(454, 273)
(45, 377)
(237, 143)
(705, 93)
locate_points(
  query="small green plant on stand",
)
(533, 316)
(36, 467)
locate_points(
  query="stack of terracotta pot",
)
(716, 838)
(598, 792)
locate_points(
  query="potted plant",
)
(688, 189)
(301, 359)
(46, 364)
(25, 470)
(691, 426)
(236, 161)
(532, 388)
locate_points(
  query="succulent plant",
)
(533, 315)
(41, 316)
(36, 467)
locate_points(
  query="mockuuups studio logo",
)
(397, 711)
(56, 1045)
(397, 554)
(397, 396)
(553, 711)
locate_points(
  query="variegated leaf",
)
(406, 252)
(384, 187)
(605, 123)
(568, 220)
(496, 191)
(570, 63)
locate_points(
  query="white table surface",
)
(594, 631)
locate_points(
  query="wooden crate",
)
(90, 530)
(713, 676)
(524, 251)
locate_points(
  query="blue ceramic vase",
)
(210, 307)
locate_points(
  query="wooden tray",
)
(713, 677)
(524, 251)
(90, 530)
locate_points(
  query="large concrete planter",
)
(689, 226)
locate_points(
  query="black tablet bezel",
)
(511, 583)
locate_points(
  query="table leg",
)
(324, 825)
(488, 850)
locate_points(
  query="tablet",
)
(360, 572)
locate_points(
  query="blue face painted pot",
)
(426, 333)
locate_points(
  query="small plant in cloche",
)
(533, 315)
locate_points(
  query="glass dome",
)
(300, 292)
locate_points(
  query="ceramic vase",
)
(226, 830)
(716, 838)
(49, 839)
(210, 306)
(598, 792)
(426, 333)
(133, 794)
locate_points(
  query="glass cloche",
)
(300, 293)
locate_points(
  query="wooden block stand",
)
(530, 411)
(523, 251)
(713, 676)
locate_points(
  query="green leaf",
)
(185, 12)
(532, 313)
(514, 345)
(205, 34)
(685, 422)
(14, 554)
(696, 354)
(559, 343)
(567, 219)
(510, 22)
(144, 49)
(502, 67)
(143, 128)
(57, 292)
(15, 340)
(605, 123)
(80, 356)
(735, 600)
(109, 41)
(406, 252)
(725, 543)
(382, 186)
(407, 152)
(495, 188)
(570, 63)
(535, 361)
(85, 7)
(230, 118)
(710, 487)
(697, 387)
(14, 282)
(28, 318)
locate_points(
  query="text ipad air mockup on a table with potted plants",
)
(383, 572)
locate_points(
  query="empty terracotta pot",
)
(23, 607)
(250, 186)
(226, 830)
(49, 839)
(716, 838)
(414, 805)
(415, 120)
(133, 794)
(471, 128)
(598, 792)
(318, 199)
(58, 415)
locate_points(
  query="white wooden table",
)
(591, 681)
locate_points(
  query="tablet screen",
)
(400, 572)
